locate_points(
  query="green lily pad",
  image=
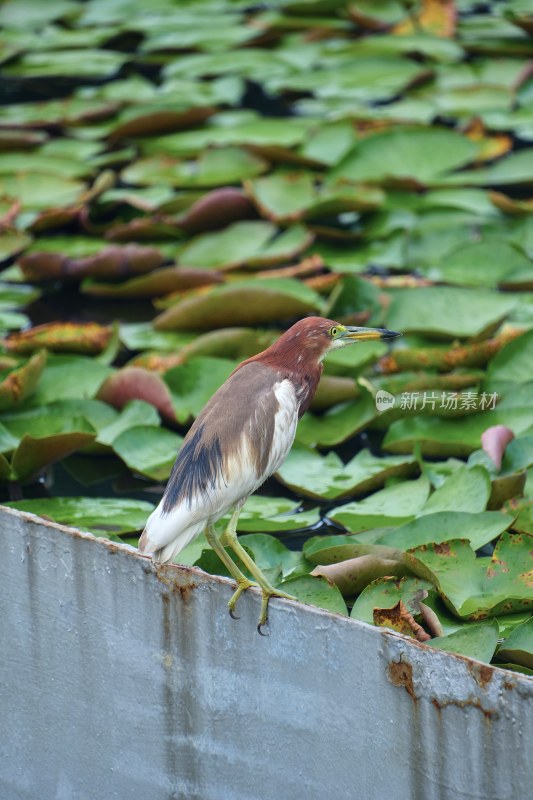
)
(134, 413)
(316, 592)
(475, 641)
(337, 424)
(327, 478)
(192, 384)
(221, 166)
(148, 450)
(452, 437)
(478, 528)
(518, 647)
(35, 454)
(419, 155)
(427, 311)
(391, 506)
(274, 514)
(94, 64)
(467, 489)
(242, 243)
(66, 376)
(103, 516)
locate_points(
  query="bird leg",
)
(242, 581)
(229, 539)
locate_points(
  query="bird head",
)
(313, 338)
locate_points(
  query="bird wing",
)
(240, 438)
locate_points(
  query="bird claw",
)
(259, 631)
(232, 614)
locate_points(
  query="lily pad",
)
(103, 516)
(247, 302)
(479, 587)
(518, 647)
(475, 641)
(148, 450)
(427, 311)
(386, 592)
(327, 478)
(391, 506)
(419, 156)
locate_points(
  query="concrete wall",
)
(117, 681)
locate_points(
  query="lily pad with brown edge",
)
(215, 209)
(103, 516)
(386, 592)
(476, 588)
(326, 477)
(148, 450)
(246, 302)
(87, 338)
(21, 382)
(352, 575)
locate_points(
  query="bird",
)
(240, 438)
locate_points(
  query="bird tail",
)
(164, 537)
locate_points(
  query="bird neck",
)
(303, 372)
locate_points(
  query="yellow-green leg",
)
(229, 539)
(242, 581)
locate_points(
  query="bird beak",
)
(368, 334)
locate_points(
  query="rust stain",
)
(401, 674)
(482, 673)
(165, 575)
(488, 713)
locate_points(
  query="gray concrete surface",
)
(117, 681)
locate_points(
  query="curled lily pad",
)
(253, 302)
(46, 262)
(518, 647)
(156, 283)
(21, 382)
(135, 383)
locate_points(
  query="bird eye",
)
(333, 332)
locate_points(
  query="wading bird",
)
(241, 437)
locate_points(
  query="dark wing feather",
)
(244, 406)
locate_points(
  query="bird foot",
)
(242, 585)
(267, 591)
